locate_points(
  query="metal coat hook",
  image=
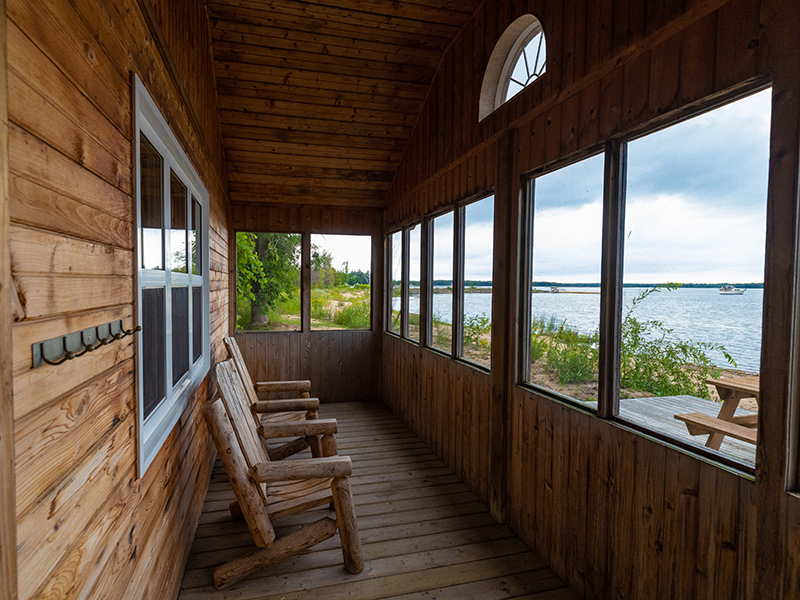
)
(56, 351)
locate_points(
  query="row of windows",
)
(269, 290)
(682, 300)
(459, 292)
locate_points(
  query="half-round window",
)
(518, 59)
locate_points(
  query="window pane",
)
(530, 64)
(195, 244)
(442, 281)
(565, 292)
(197, 323)
(268, 281)
(478, 245)
(414, 275)
(152, 206)
(340, 281)
(695, 223)
(177, 232)
(396, 240)
(153, 353)
(180, 333)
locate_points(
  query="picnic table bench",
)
(741, 427)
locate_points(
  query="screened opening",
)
(341, 281)
(477, 281)
(441, 309)
(567, 221)
(268, 281)
(396, 287)
(695, 223)
(414, 277)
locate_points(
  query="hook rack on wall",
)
(58, 350)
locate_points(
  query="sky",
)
(695, 210)
(695, 204)
(355, 250)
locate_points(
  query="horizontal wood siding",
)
(614, 513)
(86, 525)
(343, 366)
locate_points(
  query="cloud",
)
(356, 250)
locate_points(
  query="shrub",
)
(655, 360)
(318, 310)
(575, 362)
(475, 327)
(354, 316)
(538, 347)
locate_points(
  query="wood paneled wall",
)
(343, 366)
(86, 525)
(8, 520)
(616, 514)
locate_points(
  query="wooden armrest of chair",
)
(297, 428)
(699, 423)
(283, 386)
(307, 468)
(289, 405)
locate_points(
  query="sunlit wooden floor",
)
(425, 534)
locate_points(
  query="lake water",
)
(699, 314)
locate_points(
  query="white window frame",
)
(531, 31)
(153, 431)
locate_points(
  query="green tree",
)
(267, 269)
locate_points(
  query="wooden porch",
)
(425, 534)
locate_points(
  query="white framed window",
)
(519, 58)
(172, 303)
(526, 62)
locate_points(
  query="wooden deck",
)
(659, 414)
(425, 534)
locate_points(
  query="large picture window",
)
(694, 241)
(340, 281)
(441, 274)
(564, 300)
(476, 260)
(172, 290)
(268, 281)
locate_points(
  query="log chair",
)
(266, 490)
(270, 412)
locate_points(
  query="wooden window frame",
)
(611, 288)
(526, 273)
(153, 430)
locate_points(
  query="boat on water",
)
(554, 290)
(729, 290)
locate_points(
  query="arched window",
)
(518, 59)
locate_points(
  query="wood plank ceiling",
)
(318, 99)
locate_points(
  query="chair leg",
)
(314, 440)
(348, 526)
(239, 568)
(328, 445)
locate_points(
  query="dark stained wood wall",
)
(86, 525)
(614, 513)
(343, 366)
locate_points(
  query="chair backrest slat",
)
(241, 368)
(250, 501)
(237, 407)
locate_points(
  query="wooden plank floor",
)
(424, 533)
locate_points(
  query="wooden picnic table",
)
(731, 392)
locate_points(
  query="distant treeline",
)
(649, 285)
(476, 283)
